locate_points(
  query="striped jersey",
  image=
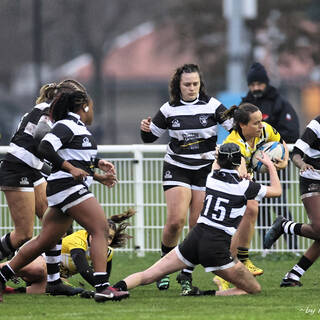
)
(226, 199)
(193, 131)
(73, 142)
(309, 144)
(76, 240)
(23, 147)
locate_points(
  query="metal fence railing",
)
(139, 169)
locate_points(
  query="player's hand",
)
(107, 179)
(281, 163)
(145, 124)
(265, 159)
(306, 167)
(107, 167)
(78, 174)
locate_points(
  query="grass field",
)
(149, 303)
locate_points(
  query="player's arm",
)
(274, 190)
(79, 258)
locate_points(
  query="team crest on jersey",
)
(168, 175)
(82, 191)
(175, 123)
(86, 142)
(24, 181)
(203, 120)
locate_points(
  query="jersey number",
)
(219, 209)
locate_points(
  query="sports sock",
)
(291, 227)
(6, 273)
(121, 285)
(165, 249)
(6, 248)
(187, 272)
(101, 281)
(243, 254)
(300, 268)
(53, 259)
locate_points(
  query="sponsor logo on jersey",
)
(175, 123)
(86, 142)
(168, 175)
(204, 120)
(24, 181)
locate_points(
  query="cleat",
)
(274, 232)
(186, 285)
(87, 294)
(221, 283)
(252, 268)
(288, 282)
(194, 291)
(62, 289)
(164, 283)
(110, 293)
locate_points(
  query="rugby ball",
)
(275, 150)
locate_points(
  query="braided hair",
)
(50, 90)
(67, 102)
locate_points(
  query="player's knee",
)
(22, 237)
(255, 288)
(176, 226)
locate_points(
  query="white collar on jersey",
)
(190, 102)
(75, 115)
(230, 171)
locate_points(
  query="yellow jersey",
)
(76, 240)
(268, 134)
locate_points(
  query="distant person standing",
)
(280, 114)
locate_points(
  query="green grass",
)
(149, 303)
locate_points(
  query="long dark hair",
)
(67, 102)
(174, 86)
(120, 237)
(240, 114)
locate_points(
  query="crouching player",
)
(75, 257)
(208, 243)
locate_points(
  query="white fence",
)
(139, 169)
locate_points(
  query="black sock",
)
(121, 285)
(101, 281)
(291, 227)
(243, 254)
(187, 272)
(6, 273)
(165, 249)
(300, 268)
(53, 259)
(6, 248)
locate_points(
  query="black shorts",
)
(309, 187)
(207, 246)
(174, 176)
(15, 176)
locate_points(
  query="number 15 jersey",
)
(226, 199)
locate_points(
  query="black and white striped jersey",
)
(73, 142)
(309, 145)
(23, 147)
(226, 199)
(193, 131)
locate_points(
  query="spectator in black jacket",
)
(280, 114)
